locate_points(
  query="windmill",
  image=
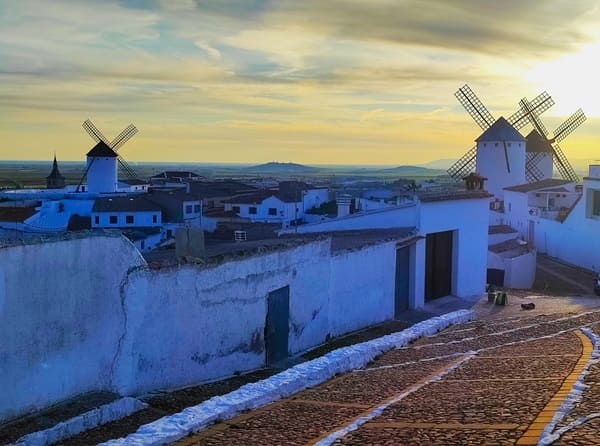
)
(480, 114)
(539, 136)
(110, 147)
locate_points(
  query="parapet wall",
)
(86, 314)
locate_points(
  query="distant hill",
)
(274, 167)
(439, 164)
(405, 171)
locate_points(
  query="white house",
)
(126, 212)
(285, 205)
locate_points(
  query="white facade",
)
(126, 219)
(492, 164)
(269, 210)
(102, 174)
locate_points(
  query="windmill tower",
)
(103, 160)
(543, 152)
(480, 114)
(501, 157)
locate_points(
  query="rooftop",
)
(537, 143)
(501, 229)
(500, 130)
(537, 185)
(101, 150)
(125, 204)
(511, 248)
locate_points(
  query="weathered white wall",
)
(60, 318)
(362, 288)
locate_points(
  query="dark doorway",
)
(495, 276)
(277, 325)
(438, 265)
(402, 280)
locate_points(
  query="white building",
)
(450, 255)
(126, 212)
(501, 157)
(285, 205)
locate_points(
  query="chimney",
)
(343, 204)
(189, 242)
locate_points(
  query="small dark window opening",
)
(272, 211)
(112, 219)
(155, 219)
(188, 209)
(97, 220)
(252, 210)
(236, 209)
(129, 219)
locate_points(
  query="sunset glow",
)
(316, 82)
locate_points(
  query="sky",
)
(307, 81)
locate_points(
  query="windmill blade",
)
(123, 137)
(506, 157)
(532, 172)
(474, 107)
(94, 132)
(534, 117)
(464, 166)
(567, 127)
(538, 105)
(562, 165)
(126, 167)
(84, 174)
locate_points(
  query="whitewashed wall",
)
(469, 219)
(402, 216)
(61, 317)
(520, 271)
(516, 211)
(208, 323)
(362, 288)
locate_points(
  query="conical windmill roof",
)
(500, 130)
(101, 150)
(537, 143)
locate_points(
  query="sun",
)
(571, 80)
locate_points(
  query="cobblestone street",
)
(496, 382)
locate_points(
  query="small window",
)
(169, 233)
(509, 207)
(112, 219)
(236, 209)
(252, 210)
(155, 219)
(129, 219)
(188, 208)
(97, 220)
(196, 208)
(272, 211)
(142, 244)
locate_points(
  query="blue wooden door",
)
(277, 326)
(402, 280)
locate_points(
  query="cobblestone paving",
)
(515, 367)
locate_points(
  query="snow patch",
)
(250, 396)
(88, 420)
